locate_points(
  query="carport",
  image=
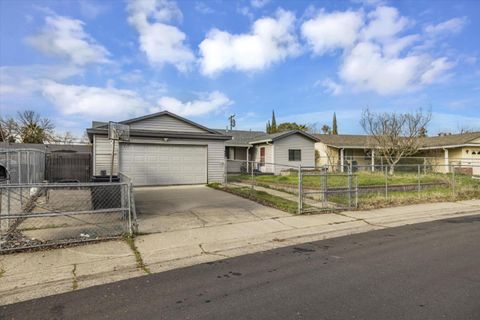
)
(163, 209)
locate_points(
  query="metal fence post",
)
(386, 183)
(300, 190)
(418, 180)
(453, 181)
(324, 188)
(253, 177)
(130, 229)
(356, 191)
(350, 189)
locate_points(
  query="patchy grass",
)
(397, 198)
(341, 180)
(442, 190)
(138, 257)
(2, 272)
(261, 197)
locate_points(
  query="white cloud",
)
(330, 86)
(203, 8)
(65, 37)
(330, 31)
(103, 103)
(90, 9)
(451, 26)
(270, 40)
(162, 43)
(259, 3)
(385, 23)
(436, 71)
(377, 55)
(110, 103)
(26, 80)
(211, 102)
(373, 3)
(365, 68)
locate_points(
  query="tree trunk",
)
(391, 169)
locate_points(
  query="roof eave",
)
(165, 134)
(450, 146)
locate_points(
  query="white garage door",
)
(149, 164)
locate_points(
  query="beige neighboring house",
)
(339, 151)
(272, 153)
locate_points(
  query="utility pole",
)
(232, 121)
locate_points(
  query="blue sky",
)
(78, 61)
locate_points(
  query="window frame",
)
(292, 153)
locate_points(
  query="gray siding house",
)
(164, 149)
(272, 153)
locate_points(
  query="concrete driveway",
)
(162, 209)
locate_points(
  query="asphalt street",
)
(422, 271)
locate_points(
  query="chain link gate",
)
(39, 215)
(320, 190)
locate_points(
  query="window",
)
(294, 155)
(262, 156)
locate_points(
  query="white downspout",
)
(248, 160)
(342, 159)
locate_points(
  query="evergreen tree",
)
(268, 127)
(334, 124)
(273, 127)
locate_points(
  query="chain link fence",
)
(36, 215)
(326, 188)
(22, 166)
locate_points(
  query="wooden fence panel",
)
(68, 166)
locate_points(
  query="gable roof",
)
(343, 140)
(361, 141)
(280, 135)
(102, 128)
(240, 138)
(449, 140)
(168, 113)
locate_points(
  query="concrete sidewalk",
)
(30, 275)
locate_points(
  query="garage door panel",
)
(164, 164)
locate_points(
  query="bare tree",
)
(65, 138)
(8, 130)
(32, 128)
(85, 139)
(394, 135)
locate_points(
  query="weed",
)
(138, 257)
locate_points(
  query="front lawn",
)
(261, 197)
(341, 180)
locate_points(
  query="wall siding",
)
(165, 123)
(102, 155)
(215, 154)
(269, 149)
(295, 141)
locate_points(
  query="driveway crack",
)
(361, 219)
(211, 253)
(204, 222)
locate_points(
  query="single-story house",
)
(166, 149)
(442, 151)
(163, 149)
(272, 153)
